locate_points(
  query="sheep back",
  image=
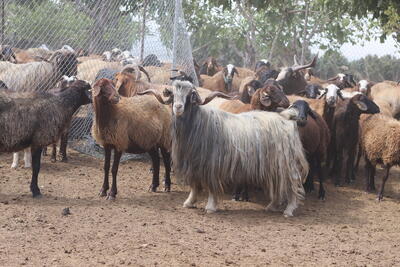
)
(25, 115)
(139, 121)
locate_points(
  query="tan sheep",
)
(380, 143)
(387, 95)
(135, 125)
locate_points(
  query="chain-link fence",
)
(102, 36)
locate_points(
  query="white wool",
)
(70, 79)
(67, 47)
(341, 76)
(332, 91)
(346, 94)
(107, 55)
(230, 68)
(363, 86)
(265, 61)
(43, 46)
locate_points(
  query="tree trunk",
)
(303, 47)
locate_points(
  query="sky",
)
(354, 52)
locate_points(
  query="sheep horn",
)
(145, 72)
(157, 96)
(214, 95)
(332, 79)
(321, 96)
(309, 65)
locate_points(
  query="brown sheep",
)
(128, 83)
(221, 81)
(210, 67)
(380, 143)
(267, 98)
(242, 73)
(315, 137)
(345, 134)
(135, 125)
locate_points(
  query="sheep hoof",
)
(189, 205)
(36, 194)
(321, 196)
(103, 193)
(110, 196)
(379, 198)
(167, 188)
(287, 214)
(64, 159)
(53, 160)
(27, 166)
(210, 210)
(153, 188)
(14, 166)
(271, 207)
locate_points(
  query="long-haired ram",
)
(212, 149)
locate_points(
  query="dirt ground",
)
(146, 229)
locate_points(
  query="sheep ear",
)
(251, 90)
(96, 90)
(361, 105)
(195, 98)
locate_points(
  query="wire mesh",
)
(90, 39)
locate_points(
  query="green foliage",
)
(221, 29)
(56, 23)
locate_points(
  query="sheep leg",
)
(191, 200)
(245, 193)
(338, 167)
(321, 194)
(36, 157)
(113, 192)
(63, 147)
(54, 153)
(370, 178)
(107, 158)
(350, 167)
(167, 165)
(384, 179)
(236, 192)
(27, 158)
(309, 184)
(359, 153)
(14, 164)
(292, 205)
(211, 206)
(155, 158)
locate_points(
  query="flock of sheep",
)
(241, 129)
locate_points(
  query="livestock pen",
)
(79, 69)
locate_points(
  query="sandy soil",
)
(146, 229)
